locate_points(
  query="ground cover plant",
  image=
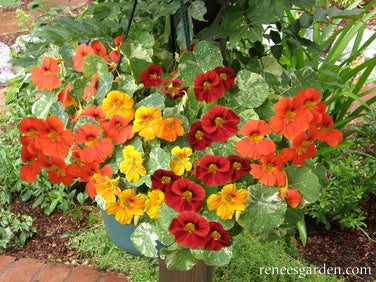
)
(293, 67)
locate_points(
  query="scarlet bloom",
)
(94, 113)
(152, 76)
(172, 89)
(65, 99)
(169, 129)
(238, 167)
(269, 172)
(293, 198)
(90, 91)
(53, 139)
(311, 105)
(30, 128)
(220, 123)
(99, 50)
(163, 179)
(33, 166)
(255, 145)
(325, 131)
(78, 59)
(208, 87)
(197, 137)
(227, 201)
(190, 230)
(45, 76)
(303, 148)
(118, 129)
(227, 76)
(185, 195)
(289, 120)
(57, 173)
(219, 237)
(95, 149)
(213, 170)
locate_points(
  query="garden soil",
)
(347, 250)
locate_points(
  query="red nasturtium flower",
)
(213, 170)
(45, 76)
(172, 89)
(185, 195)
(57, 172)
(255, 145)
(78, 59)
(269, 172)
(190, 230)
(95, 149)
(163, 179)
(289, 120)
(238, 167)
(33, 166)
(227, 76)
(99, 50)
(220, 123)
(118, 129)
(219, 237)
(169, 129)
(152, 76)
(325, 132)
(197, 137)
(53, 139)
(208, 87)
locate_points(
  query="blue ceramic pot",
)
(120, 234)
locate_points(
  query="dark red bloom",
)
(219, 237)
(152, 76)
(163, 179)
(213, 170)
(208, 87)
(197, 137)
(172, 89)
(190, 230)
(220, 123)
(227, 76)
(185, 195)
(238, 167)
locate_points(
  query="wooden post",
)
(199, 273)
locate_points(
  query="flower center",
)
(255, 138)
(212, 168)
(206, 85)
(52, 135)
(309, 105)
(223, 76)
(190, 227)
(47, 72)
(219, 121)
(154, 75)
(32, 133)
(166, 180)
(237, 165)
(216, 235)
(118, 126)
(290, 115)
(91, 141)
(199, 135)
(187, 195)
(268, 167)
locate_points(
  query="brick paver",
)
(23, 270)
(85, 273)
(53, 272)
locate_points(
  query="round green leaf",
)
(305, 181)
(144, 238)
(253, 89)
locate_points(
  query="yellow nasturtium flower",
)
(132, 166)
(108, 188)
(154, 201)
(146, 122)
(181, 162)
(127, 206)
(227, 201)
(118, 103)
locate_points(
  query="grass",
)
(249, 256)
(10, 3)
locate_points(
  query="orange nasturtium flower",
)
(45, 76)
(170, 129)
(106, 187)
(270, 171)
(182, 162)
(227, 201)
(155, 200)
(132, 166)
(118, 103)
(146, 122)
(78, 59)
(127, 206)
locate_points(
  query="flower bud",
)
(293, 198)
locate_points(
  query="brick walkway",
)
(32, 270)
